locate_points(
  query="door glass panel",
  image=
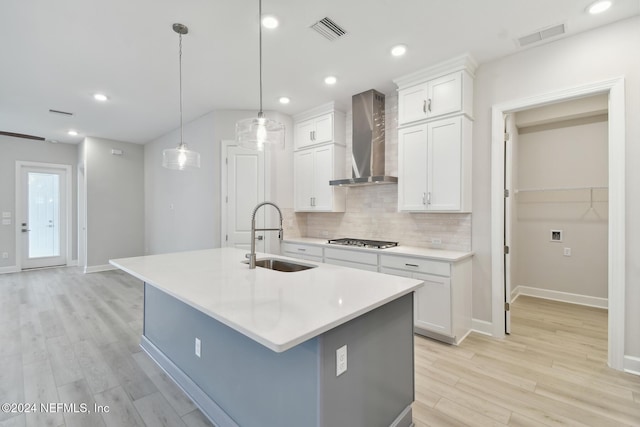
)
(44, 215)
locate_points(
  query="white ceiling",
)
(56, 54)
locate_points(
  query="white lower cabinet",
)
(301, 251)
(349, 258)
(442, 307)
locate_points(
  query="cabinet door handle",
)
(301, 249)
(424, 198)
(429, 198)
(412, 265)
(424, 106)
(429, 105)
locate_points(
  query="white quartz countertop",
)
(277, 309)
(437, 254)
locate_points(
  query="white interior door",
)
(245, 185)
(43, 222)
(509, 130)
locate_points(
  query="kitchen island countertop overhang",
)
(276, 309)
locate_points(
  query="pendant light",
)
(180, 158)
(260, 133)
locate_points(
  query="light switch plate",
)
(6, 221)
(341, 360)
(6, 214)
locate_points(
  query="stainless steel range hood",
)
(368, 142)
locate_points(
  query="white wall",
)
(114, 201)
(596, 55)
(14, 149)
(182, 208)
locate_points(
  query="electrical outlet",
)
(436, 241)
(567, 252)
(198, 347)
(5, 255)
(341, 360)
(324, 233)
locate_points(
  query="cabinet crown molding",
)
(329, 107)
(463, 62)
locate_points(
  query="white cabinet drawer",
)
(351, 264)
(352, 255)
(298, 250)
(417, 265)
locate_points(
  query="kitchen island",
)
(260, 347)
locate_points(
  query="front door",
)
(43, 216)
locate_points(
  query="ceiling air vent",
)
(328, 29)
(540, 35)
(63, 113)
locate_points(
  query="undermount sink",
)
(281, 265)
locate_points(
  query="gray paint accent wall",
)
(114, 200)
(258, 387)
(14, 149)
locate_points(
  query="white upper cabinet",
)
(434, 137)
(431, 99)
(321, 125)
(319, 157)
(445, 89)
(434, 166)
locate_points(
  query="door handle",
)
(259, 237)
(24, 230)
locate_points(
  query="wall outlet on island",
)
(436, 242)
(324, 233)
(341, 360)
(198, 347)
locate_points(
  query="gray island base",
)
(237, 381)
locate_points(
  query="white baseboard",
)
(631, 365)
(10, 269)
(559, 296)
(98, 268)
(72, 263)
(482, 327)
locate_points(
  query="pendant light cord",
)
(180, 77)
(260, 114)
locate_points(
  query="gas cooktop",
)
(363, 243)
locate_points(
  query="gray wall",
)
(570, 156)
(298, 387)
(604, 53)
(14, 149)
(114, 201)
(183, 207)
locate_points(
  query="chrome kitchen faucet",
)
(252, 256)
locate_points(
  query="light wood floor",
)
(72, 338)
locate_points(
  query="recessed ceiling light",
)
(330, 80)
(284, 100)
(72, 132)
(599, 6)
(100, 97)
(399, 50)
(270, 22)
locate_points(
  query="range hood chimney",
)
(368, 142)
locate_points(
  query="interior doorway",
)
(43, 201)
(614, 89)
(243, 184)
(556, 203)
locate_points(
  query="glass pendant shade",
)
(260, 133)
(180, 158)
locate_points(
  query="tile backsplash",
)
(372, 211)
